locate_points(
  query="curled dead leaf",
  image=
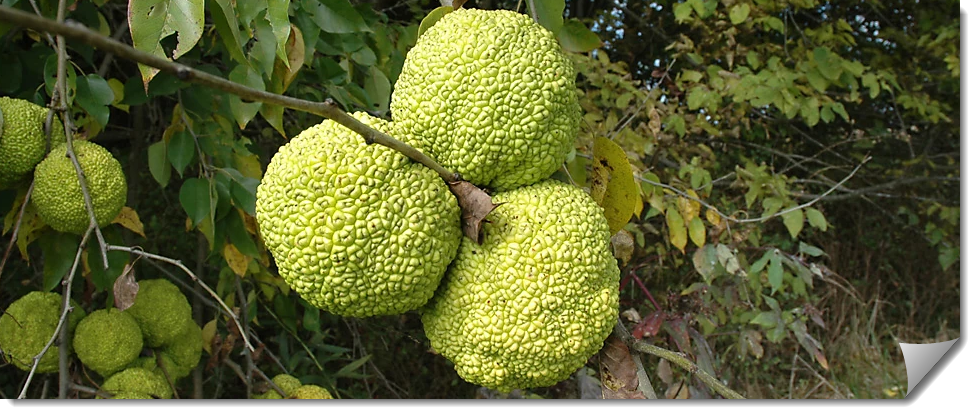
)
(622, 243)
(618, 372)
(125, 288)
(475, 205)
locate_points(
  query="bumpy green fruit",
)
(311, 392)
(22, 138)
(287, 383)
(184, 351)
(161, 310)
(107, 340)
(491, 95)
(138, 380)
(528, 306)
(356, 229)
(28, 324)
(57, 191)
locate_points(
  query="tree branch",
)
(326, 109)
(677, 358)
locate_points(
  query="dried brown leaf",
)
(649, 326)
(126, 288)
(664, 372)
(677, 391)
(475, 205)
(622, 243)
(618, 372)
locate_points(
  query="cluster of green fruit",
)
(293, 389)
(361, 230)
(57, 190)
(109, 341)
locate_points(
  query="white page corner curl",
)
(920, 358)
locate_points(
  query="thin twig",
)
(758, 219)
(61, 95)
(248, 357)
(677, 358)
(89, 390)
(179, 264)
(20, 218)
(327, 109)
(65, 310)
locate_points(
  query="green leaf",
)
(826, 63)
(810, 250)
(767, 319)
(771, 206)
(677, 124)
(704, 260)
(348, 370)
(277, 16)
(311, 320)
(194, 196)
(682, 12)
(753, 60)
(547, 13)
(181, 149)
(775, 272)
(94, 95)
(870, 81)
(794, 221)
(244, 194)
(150, 21)
(59, 250)
(762, 262)
(238, 235)
(775, 23)
(432, 18)
(225, 21)
(826, 114)
(378, 89)
(245, 112)
(695, 229)
(576, 37)
(159, 163)
(947, 256)
(335, 16)
(695, 99)
(739, 13)
(841, 111)
(816, 218)
(263, 52)
(810, 111)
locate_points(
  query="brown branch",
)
(179, 264)
(327, 109)
(89, 390)
(677, 358)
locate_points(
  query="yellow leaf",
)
(676, 229)
(695, 229)
(613, 186)
(129, 219)
(209, 331)
(689, 208)
(237, 261)
(31, 227)
(248, 165)
(713, 217)
(8, 222)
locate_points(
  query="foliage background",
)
(763, 246)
